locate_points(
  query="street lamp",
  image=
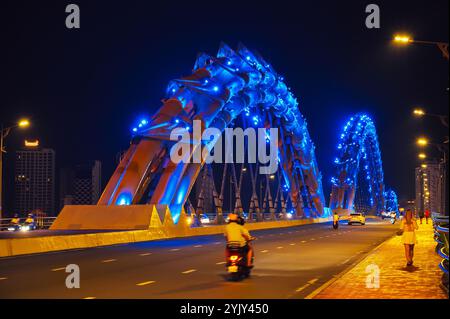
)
(422, 156)
(4, 132)
(422, 141)
(406, 40)
(422, 113)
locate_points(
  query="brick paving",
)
(396, 280)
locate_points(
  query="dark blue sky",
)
(85, 88)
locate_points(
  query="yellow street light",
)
(424, 166)
(419, 112)
(23, 123)
(422, 141)
(402, 39)
(422, 156)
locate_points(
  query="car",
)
(204, 219)
(357, 218)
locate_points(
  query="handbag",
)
(399, 232)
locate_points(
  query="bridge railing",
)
(441, 236)
(41, 222)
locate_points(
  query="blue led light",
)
(216, 88)
(134, 129)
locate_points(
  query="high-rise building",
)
(81, 184)
(429, 188)
(34, 180)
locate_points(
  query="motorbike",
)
(27, 226)
(393, 219)
(15, 227)
(236, 262)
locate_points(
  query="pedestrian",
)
(427, 215)
(408, 226)
(421, 215)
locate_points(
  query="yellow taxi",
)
(357, 218)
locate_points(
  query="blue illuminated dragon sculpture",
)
(359, 169)
(219, 89)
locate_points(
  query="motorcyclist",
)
(30, 221)
(335, 220)
(236, 233)
(15, 220)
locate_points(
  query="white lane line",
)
(3, 278)
(312, 239)
(89, 297)
(198, 246)
(302, 287)
(188, 271)
(220, 263)
(217, 242)
(175, 249)
(303, 241)
(145, 254)
(108, 260)
(58, 269)
(309, 283)
(313, 281)
(291, 244)
(264, 251)
(145, 283)
(345, 261)
(280, 247)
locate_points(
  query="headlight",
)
(25, 228)
(289, 215)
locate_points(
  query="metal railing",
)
(41, 222)
(441, 224)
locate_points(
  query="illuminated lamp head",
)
(124, 199)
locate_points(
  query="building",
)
(34, 180)
(429, 188)
(81, 184)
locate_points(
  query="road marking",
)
(303, 241)
(313, 281)
(264, 251)
(3, 278)
(279, 247)
(145, 283)
(145, 254)
(108, 260)
(198, 246)
(218, 242)
(291, 244)
(58, 269)
(175, 249)
(188, 271)
(89, 297)
(345, 261)
(313, 239)
(302, 287)
(221, 263)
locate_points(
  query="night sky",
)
(84, 89)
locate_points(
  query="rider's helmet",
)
(16, 215)
(232, 217)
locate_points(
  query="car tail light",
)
(233, 258)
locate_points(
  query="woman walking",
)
(408, 227)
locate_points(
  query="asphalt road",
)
(289, 263)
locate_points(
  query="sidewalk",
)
(396, 281)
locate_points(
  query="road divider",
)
(165, 229)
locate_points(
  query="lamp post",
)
(3, 134)
(406, 40)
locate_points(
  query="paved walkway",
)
(396, 281)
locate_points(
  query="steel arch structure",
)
(391, 201)
(219, 89)
(358, 167)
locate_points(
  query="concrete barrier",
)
(33, 245)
